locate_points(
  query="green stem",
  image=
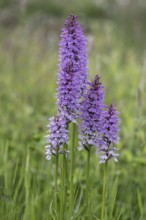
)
(104, 192)
(66, 168)
(72, 151)
(56, 185)
(87, 180)
(63, 187)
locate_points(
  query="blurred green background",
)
(29, 38)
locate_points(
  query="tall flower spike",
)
(90, 114)
(57, 137)
(108, 136)
(72, 76)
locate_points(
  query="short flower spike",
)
(108, 136)
(57, 137)
(90, 114)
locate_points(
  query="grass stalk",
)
(104, 192)
(72, 152)
(27, 186)
(6, 166)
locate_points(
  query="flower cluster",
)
(76, 97)
(58, 136)
(72, 76)
(108, 135)
(91, 114)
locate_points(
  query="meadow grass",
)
(28, 67)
